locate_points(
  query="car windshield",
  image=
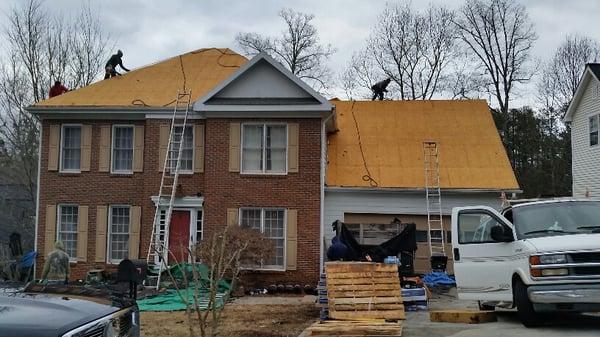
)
(557, 218)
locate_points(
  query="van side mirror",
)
(500, 233)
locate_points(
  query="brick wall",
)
(221, 190)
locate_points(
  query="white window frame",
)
(193, 149)
(262, 230)
(264, 149)
(597, 131)
(62, 138)
(59, 225)
(112, 149)
(198, 221)
(109, 258)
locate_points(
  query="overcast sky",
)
(148, 31)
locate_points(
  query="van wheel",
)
(485, 307)
(525, 310)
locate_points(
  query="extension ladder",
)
(158, 250)
(433, 196)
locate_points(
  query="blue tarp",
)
(435, 279)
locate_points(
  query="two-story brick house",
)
(252, 156)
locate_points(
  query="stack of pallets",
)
(364, 299)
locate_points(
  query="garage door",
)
(374, 229)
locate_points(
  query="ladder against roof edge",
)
(433, 200)
(158, 253)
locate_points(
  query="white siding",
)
(337, 203)
(586, 158)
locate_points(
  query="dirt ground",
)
(239, 320)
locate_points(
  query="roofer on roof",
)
(379, 88)
(57, 89)
(111, 66)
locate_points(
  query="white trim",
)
(183, 202)
(340, 189)
(112, 148)
(109, 232)
(264, 148)
(61, 141)
(323, 105)
(262, 230)
(59, 223)
(37, 203)
(322, 177)
(585, 79)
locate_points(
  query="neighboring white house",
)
(386, 137)
(584, 116)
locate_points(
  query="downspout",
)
(323, 174)
(37, 201)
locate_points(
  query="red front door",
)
(179, 237)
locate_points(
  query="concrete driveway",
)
(417, 324)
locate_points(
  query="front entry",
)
(179, 236)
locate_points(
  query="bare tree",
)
(224, 253)
(500, 34)
(298, 48)
(43, 47)
(561, 74)
(412, 48)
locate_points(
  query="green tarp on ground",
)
(171, 301)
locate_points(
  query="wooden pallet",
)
(363, 291)
(462, 316)
(355, 328)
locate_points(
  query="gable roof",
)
(262, 84)
(155, 85)
(392, 134)
(592, 70)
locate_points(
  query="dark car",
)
(68, 311)
(102, 310)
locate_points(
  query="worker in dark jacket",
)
(57, 89)
(379, 88)
(113, 62)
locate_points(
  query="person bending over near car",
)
(111, 66)
(56, 267)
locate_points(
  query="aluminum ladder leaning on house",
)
(433, 199)
(158, 253)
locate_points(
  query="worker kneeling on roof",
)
(111, 66)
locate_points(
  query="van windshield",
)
(557, 218)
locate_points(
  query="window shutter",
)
(104, 156)
(234, 147)
(82, 233)
(101, 220)
(53, 147)
(50, 229)
(232, 216)
(291, 240)
(293, 135)
(198, 148)
(86, 147)
(138, 149)
(163, 145)
(134, 232)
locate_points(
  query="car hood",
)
(560, 243)
(45, 315)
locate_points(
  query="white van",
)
(539, 256)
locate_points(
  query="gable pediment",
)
(262, 85)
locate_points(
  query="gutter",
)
(37, 202)
(323, 174)
(341, 189)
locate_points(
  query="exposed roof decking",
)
(392, 132)
(155, 85)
